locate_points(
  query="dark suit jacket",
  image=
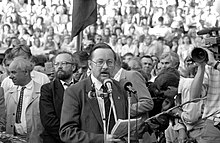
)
(51, 101)
(81, 119)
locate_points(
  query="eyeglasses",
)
(63, 64)
(100, 63)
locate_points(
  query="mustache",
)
(104, 72)
(60, 70)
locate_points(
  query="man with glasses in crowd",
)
(51, 99)
(83, 116)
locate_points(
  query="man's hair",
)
(167, 77)
(128, 54)
(101, 46)
(17, 49)
(173, 56)
(147, 56)
(73, 59)
(39, 60)
(81, 56)
(8, 57)
(22, 64)
(137, 61)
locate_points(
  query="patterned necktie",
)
(19, 107)
(107, 103)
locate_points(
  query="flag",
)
(84, 14)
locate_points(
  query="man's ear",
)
(75, 67)
(90, 64)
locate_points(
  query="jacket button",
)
(11, 125)
(13, 114)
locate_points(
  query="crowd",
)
(48, 87)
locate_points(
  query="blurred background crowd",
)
(133, 28)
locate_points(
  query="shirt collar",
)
(27, 86)
(72, 81)
(96, 82)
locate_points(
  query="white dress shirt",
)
(21, 128)
(101, 103)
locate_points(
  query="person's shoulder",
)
(36, 74)
(37, 85)
(47, 85)
(134, 76)
(131, 72)
(81, 84)
(7, 81)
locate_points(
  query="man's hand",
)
(211, 59)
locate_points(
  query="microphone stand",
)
(109, 116)
(129, 115)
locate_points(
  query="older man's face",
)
(165, 63)
(102, 64)
(17, 75)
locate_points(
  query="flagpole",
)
(79, 41)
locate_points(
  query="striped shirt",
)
(212, 79)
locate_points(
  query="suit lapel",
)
(58, 90)
(35, 94)
(93, 103)
(14, 94)
(119, 106)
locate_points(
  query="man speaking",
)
(92, 106)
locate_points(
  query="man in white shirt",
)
(24, 51)
(22, 102)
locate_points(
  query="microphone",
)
(127, 86)
(108, 83)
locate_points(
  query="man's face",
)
(37, 42)
(17, 75)
(82, 69)
(129, 41)
(134, 65)
(63, 66)
(127, 58)
(147, 64)
(147, 40)
(99, 56)
(98, 39)
(165, 63)
(113, 39)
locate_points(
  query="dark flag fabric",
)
(84, 14)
